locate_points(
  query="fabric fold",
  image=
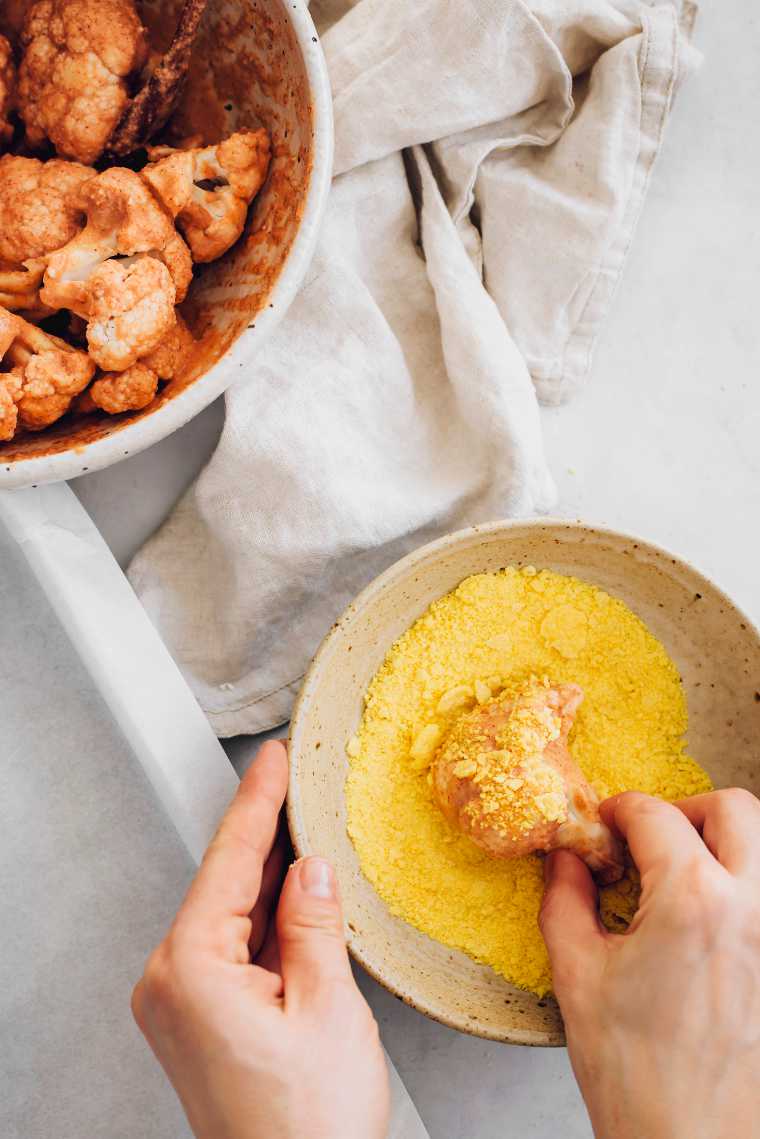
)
(489, 174)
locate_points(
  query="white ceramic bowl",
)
(256, 62)
(716, 648)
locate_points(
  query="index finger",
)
(229, 879)
(729, 822)
(659, 836)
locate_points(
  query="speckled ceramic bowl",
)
(716, 648)
(256, 62)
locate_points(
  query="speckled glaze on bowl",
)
(256, 62)
(716, 648)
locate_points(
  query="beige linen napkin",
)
(492, 157)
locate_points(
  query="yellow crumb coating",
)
(489, 636)
(517, 790)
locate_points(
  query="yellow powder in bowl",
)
(490, 635)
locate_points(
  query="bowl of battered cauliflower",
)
(163, 169)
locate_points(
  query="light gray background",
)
(662, 442)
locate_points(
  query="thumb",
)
(313, 951)
(569, 919)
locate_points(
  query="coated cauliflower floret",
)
(46, 374)
(131, 390)
(134, 388)
(131, 309)
(7, 89)
(20, 289)
(36, 213)
(171, 355)
(72, 85)
(504, 776)
(123, 218)
(36, 218)
(209, 189)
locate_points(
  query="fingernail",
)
(316, 877)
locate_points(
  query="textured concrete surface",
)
(663, 442)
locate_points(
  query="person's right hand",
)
(663, 1022)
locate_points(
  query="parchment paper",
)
(187, 769)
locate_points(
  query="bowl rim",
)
(296, 824)
(175, 413)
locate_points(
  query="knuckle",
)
(637, 803)
(323, 920)
(698, 880)
(703, 896)
(632, 797)
(137, 1004)
(736, 798)
(181, 966)
(232, 839)
(163, 979)
(156, 977)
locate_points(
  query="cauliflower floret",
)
(37, 214)
(50, 381)
(46, 374)
(7, 89)
(123, 218)
(131, 310)
(72, 85)
(130, 390)
(134, 388)
(172, 353)
(35, 219)
(209, 189)
(20, 289)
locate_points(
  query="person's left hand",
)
(256, 1018)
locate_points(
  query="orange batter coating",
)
(43, 376)
(130, 390)
(72, 81)
(209, 189)
(124, 218)
(505, 777)
(36, 216)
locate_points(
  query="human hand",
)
(256, 1018)
(663, 1022)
